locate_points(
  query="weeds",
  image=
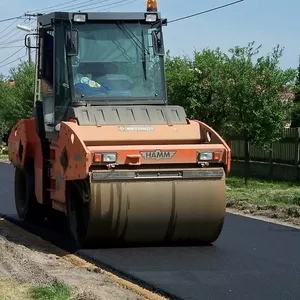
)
(263, 192)
(57, 291)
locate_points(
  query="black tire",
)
(28, 209)
(77, 215)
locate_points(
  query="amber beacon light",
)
(151, 5)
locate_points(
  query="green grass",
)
(57, 291)
(262, 192)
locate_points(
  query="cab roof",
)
(95, 16)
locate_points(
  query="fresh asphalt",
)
(252, 259)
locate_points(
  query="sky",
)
(267, 22)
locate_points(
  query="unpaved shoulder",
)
(30, 260)
(289, 216)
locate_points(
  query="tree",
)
(258, 113)
(16, 101)
(295, 119)
(4, 95)
(200, 85)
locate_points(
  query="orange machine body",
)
(78, 149)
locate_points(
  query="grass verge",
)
(263, 192)
(279, 200)
(12, 290)
(57, 291)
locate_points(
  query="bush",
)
(3, 149)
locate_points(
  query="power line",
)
(15, 21)
(5, 37)
(105, 5)
(4, 60)
(87, 4)
(8, 33)
(19, 34)
(84, 4)
(12, 18)
(11, 42)
(8, 41)
(118, 5)
(205, 11)
(71, 5)
(13, 61)
(9, 47)
(94, 4)
(53, 6)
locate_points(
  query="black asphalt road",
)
(251, 260)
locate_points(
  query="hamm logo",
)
(158, 154)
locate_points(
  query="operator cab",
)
(99, 59)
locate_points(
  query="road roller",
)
(104, 148)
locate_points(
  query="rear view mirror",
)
(28, 41)
(72, 43)
(157, 42)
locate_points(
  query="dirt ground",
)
(28, 260)
(286, 215)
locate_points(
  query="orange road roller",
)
(104, 147)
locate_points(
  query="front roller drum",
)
(147, 209)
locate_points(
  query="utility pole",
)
(34, 15)
(29, 49)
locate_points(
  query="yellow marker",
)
(151, 5)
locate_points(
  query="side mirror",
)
(157, 42)
(28, 41)
(72, 43)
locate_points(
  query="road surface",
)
(252, 259)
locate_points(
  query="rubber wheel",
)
(28, 209)
(77, 215)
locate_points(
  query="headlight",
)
(79, 18)
(108, 157)
(151, 17)
(205, 156)
(209, 155)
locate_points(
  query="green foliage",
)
(295, 119)
(256, 110)
(295, 115)
(200, 85)
(234, 93)
(3, 150)
(57, 291)
(16, 101)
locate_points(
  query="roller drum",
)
(156, 210)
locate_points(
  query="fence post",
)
(271, 161)
(297, 152)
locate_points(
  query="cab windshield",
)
(116, 61)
